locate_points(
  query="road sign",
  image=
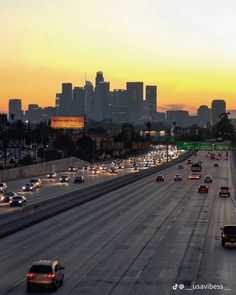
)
(204, 146)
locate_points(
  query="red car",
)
(160, 178)
(194, 175)
(203, 188)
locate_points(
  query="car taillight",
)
(51, 276)
(30, 275)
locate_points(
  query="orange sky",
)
(181, 47)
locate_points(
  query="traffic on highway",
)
(36, 189)
(167, 233)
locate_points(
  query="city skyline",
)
(182, 48)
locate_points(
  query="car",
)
(200, 162)
(189, 162)
(51, 175)
(146, 165)
(194, 175)
(85, 167)
(79, 179)
(178, 177)
(17, 201)
(64, 178)
(224, 191)
(120, 166)
(45, 274)
(12, 160)
(208, 179)
(228, 234)
(29, 187)
(216, 165)
(160, 178)
(203, 188)
(180, 167)
(112, 170)
(37, 182)
(72, 169)
(94, 171)
(3, 187)
(5, 198)
(135, 167)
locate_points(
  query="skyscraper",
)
(99, 78)
(135, 101)
(218, 106)
(101, 104)
(66, 97)
(14, 109)
(204, 115)
(78, 102)
(151, 100)
(89, 99)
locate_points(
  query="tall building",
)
(118, 104)
(218, 106)
(101, 98)
(15, 109)
(65, 99)
(78, 102)
(89, 99)
(151, 100)
(99, 78)
(135, 95)
(204, 115)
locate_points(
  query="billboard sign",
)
(67, 122)
(204, 146)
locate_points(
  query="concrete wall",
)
(40, 169)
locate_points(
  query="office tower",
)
(180, 117)
(135, 95)
(218, 107)
(204, 115)
(78, 102)
(101, 99)
(151, 100)
(99, 78)
(65, 100)
(89, 100)
(14, 109)
(101, 103)
(118, 104)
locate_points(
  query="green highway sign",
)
(204, 146)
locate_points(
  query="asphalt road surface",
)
(144, 238)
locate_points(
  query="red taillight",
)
(30, 275)
(51, 276)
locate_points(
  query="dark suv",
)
(228, 234)
(45, 273)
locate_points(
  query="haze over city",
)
(187, 48)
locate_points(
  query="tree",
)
(86, 148)
(224, 128)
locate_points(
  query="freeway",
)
(143, 238)
(52, 188)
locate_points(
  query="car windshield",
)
(16, 198)
(34, 180)
(230, 230)
(9, 194)
(44, 269)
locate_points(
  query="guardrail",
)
(36, 213)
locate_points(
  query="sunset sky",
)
(185, 47)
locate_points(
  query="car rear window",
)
(16, 198)
(224, 188)
(41, 269)
(230, 230)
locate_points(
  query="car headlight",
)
(20, 201)
(23, 187)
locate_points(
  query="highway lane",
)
(142, 238)
(53, 188)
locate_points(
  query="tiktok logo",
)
(175, 287)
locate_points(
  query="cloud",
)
(177, 106)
